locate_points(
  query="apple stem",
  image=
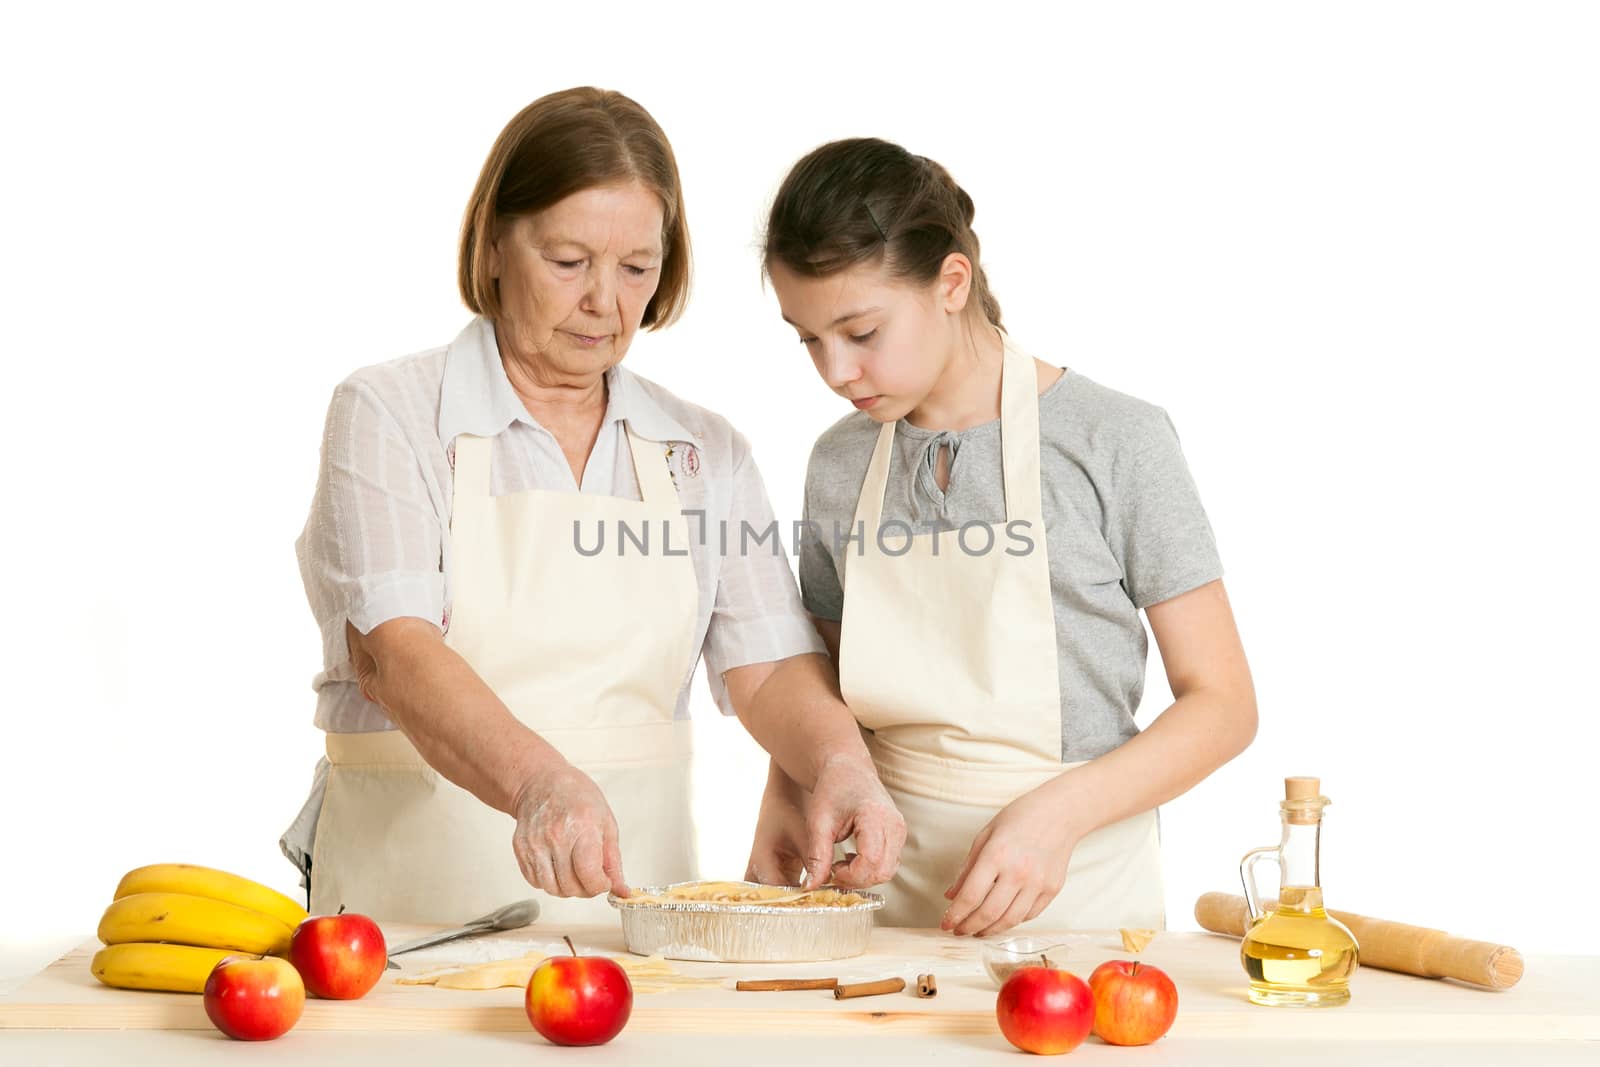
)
(568, 940)
(1135, 970)
(341, 910)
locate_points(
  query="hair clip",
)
(875, 226)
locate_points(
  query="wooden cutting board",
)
(1558, 1000)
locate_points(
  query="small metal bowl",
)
(721, 932)
(1002, 959)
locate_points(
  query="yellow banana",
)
(207, 882)
(192, 920)
(174, 968)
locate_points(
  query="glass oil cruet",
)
(1296, 955)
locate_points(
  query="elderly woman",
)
(505, 706)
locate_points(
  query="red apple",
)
(254, 998)
(1045, 1010)
(1134, 1003)
(579, 1000)
(340, 957)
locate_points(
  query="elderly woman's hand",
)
(566, 836)
(849, 801)
(796, 831)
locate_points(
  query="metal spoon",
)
(511, 917)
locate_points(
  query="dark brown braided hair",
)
(866, 200)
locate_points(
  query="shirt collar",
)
(476, 396)
(630, 396)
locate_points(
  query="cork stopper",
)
(1302, 788)
(1303, 800)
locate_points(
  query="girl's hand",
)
(1016, 866)
(778, 854)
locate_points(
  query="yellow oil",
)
(1298, 956)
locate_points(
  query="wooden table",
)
(63, 1015)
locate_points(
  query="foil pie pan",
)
(723, 932)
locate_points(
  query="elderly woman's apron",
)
(588, 651)
(948, 660)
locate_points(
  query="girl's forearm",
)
(1199, 732)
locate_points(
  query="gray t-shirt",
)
(1124, 529)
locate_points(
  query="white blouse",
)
(376, 545)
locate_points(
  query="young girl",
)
(987, 528)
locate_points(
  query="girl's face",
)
(878, 342)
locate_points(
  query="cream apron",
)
(948, 659)
(589, 652)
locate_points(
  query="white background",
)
(1350, 248)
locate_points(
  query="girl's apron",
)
(948, 659)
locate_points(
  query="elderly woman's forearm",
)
(456, 722)
(797, 715)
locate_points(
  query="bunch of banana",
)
(171, 923)
(172, 968)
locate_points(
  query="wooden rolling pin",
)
(1390, 946)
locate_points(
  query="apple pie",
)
(735, 893)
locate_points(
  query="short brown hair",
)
(863, 200)
(562, 144)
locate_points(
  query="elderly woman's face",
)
(575, 278)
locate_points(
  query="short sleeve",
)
(1156, 525)
(757, 616)
(371, 548)
(821, 590)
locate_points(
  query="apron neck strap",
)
(869, 506)
(472, 465)
(1019, 448)
(1019, 436)
(651, 471)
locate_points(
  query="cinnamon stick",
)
(927, 986)
(869, 989)
(783, 985)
